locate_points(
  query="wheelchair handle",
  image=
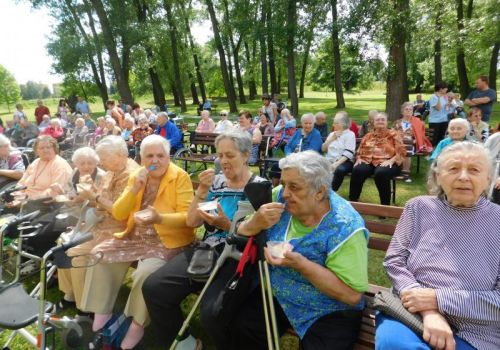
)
(65, 246)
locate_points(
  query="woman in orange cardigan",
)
(154, 204)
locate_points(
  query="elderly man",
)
(482, 98)
(168, 130)
(321, 125)
(40, 111)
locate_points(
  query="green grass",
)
(358, 105)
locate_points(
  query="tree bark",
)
(175, 54)
(397, 80)
(252, 86)
(270, 47)
(194, 93)
(339, 93)
(197, 66)
(231, 99)
(438, 67)
(460, 57)
(493, 65)
(263, 58)
(304, 66)
(175, 93)
(110, 43)
(290, 42)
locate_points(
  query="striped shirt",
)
(455, 251)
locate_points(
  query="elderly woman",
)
(154, 205)
(111, 128)
(340, 147)
(458, 129)
(284, 129)
(142, 131)
(245, 124)
(55, 129)
(128, 129)
(265, 126)
(165, 289)
(380, 154)
(206, 123)
(318, 285)
(412, 131)
(45, 123)
(443, 259)
(101, 125)
(367, 125)
(307, 138)
(479, 130)
(321, 124)
(223, 124)
(11, 162)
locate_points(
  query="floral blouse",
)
(378, 146)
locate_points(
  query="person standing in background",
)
(40, 111)
(482, 98)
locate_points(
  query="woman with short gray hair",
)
(11, 162)
(458, 131)
(340, 147)
(306, 138)
(320, 272)
(443, 258)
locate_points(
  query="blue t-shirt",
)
(436, 116)
(82, 107)
(486, 108)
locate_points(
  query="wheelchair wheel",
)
(70, 338)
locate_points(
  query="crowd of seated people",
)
(151, 212)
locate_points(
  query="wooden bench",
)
(193, 162)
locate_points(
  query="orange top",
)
(379, 146)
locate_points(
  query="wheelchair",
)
(20, 308)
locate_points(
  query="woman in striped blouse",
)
(444, 258)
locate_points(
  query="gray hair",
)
(321, 113)
(461, 121)
(162, 114)
(312, 167)
(129, 118)
(4, 141)
(382, 114)
(286, 111)
(308, 116)
(343, 119)
(242, 140)
(111, 120)
(404, 105)
(155, 140)
(55, 121)
(112, 145)
(462, 148)
(142, 118)
(85, 152)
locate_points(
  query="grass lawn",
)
(358, 105)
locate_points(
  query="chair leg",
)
(393, 191)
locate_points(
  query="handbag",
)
(391, 305)
(202, 262)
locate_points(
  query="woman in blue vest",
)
(318, 285)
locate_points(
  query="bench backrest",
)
(204, 138)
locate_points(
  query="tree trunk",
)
(493, 65)
(339, 93)
(252, 86)
(194, 93)
(239, 79)
(175, 93)
(199, 77)
(175, 54)
(230, 66)
(460, 58)
(438, 67)
(290, 43)
(304, 67)
(110, 43)
(262, 41)
(270, 47)
(397, 80)
(231, 99)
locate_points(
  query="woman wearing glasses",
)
(223, 124)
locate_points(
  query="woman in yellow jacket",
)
(154, 204)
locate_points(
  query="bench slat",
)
(380, 227)
(377, 210)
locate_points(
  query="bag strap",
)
(249, 254)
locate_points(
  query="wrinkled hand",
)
(220, 220)
(268, 215)
(360, 161)
(388, 163)
(292, 260)
(419, 299)
(152, 218)
(57, 189)
(88, 194)
(206, 179)
(86, 179)
(437, 331)
(140, 180)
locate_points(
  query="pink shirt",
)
(206, 126)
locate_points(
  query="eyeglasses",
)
(223, 115)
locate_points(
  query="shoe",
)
(64, 304)
(30, 267)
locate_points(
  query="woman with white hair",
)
(318, 282)
(443, 260)
(223, 124)
(111, 128)
(55, 129)
(128, 129)
(340, 148)
(284, 129)
(458, 129)
(306, 138)
(11, 162)
(154, 207)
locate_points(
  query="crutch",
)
(230, 251)
(259, 193)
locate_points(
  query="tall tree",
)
(460, 57)
(397, 80)
(262, 42)
(270, 46)
(9, 89)
(252, 86)
(494, 65)
(231, 99)
(175, 54)
(339, 93)
(291, 28)
(120, 67)
(438, 67)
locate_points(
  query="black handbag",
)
(202, 262)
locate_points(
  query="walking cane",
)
(230, 251)
(259, 193)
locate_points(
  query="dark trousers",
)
(382, 176)
(339, 174)
(439, 132)
(338, 330)
(166, 288)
